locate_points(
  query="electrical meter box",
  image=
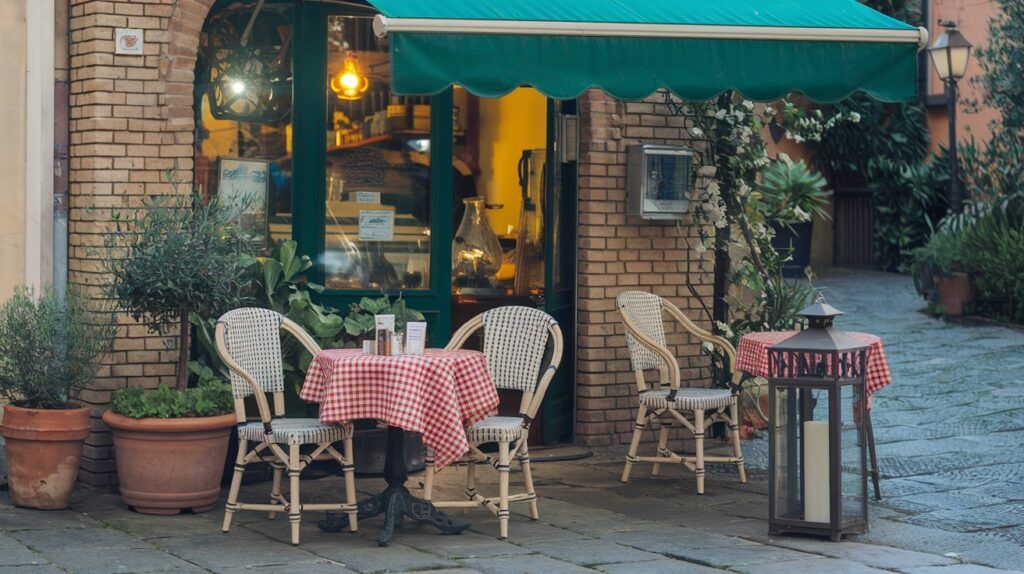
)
(658, 181)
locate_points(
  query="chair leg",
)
(638, 431)
(698, 443)
(275, 489)
(295, 506)
(734, 431)
(349, 468)
(471, 478)
(428, 475)
(662, 445)
(236, 484)
(874, 456)
(503, 470)
(524, 463)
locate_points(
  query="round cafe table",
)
(436, 394)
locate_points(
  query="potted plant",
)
(182, 256)
(48, 349)
(942, 258)
(789, 196)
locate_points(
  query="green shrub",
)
(205, 400)
(909, 201)
(49, 347)
(993, 252)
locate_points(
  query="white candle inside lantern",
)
(815, 463)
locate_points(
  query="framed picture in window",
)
(244, 188)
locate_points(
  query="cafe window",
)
(377, 224)
(243, 115)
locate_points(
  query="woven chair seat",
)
(495, 429)
(296, 431)
(688, 399)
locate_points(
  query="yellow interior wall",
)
(507, 126)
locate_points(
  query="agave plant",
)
(791, 193)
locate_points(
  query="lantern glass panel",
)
(853, 479)
(789, 502)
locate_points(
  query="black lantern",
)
(950, 55)
(817, 442)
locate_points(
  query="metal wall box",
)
(658, 181)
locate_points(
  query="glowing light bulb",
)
(350, 83)
(237, 87)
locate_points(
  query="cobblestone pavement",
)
(950, 431)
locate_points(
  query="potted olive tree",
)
(49, 347)
(181, 255)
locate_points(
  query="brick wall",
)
(618, 253)
(131, 120)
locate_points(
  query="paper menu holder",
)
(415, 337)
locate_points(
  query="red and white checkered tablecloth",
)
(752, 356)
(437, 393)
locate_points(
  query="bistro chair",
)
(515, 342)
(694, 409)
(249, 343)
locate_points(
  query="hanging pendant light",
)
(350, 83)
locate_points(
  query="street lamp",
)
(950, 54)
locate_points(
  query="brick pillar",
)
(617, 253)
(131, 120)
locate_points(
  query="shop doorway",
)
(514, 241)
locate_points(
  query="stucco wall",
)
(12, 144)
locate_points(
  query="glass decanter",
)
(476, 252)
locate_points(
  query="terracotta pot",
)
(167, 465)
(44, 449)
(955, 291)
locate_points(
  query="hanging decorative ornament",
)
(247, 65)
(350, 83)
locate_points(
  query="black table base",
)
(396, 502)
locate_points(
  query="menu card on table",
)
(415, 337)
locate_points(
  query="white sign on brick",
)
(128, 42)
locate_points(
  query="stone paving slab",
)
(830, 565)
(664, 566)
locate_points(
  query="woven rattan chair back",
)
(515, 342)
(252, 337)
(645, 310)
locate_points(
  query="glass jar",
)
(476, 252)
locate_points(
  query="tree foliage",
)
(49, 347)
(181, 255)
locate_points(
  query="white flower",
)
(748, 104)
(801, 214)
(740, 115)
(697, 132)
(854, 117)
(784, 158)
(720, 114)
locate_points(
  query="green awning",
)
(825, 49)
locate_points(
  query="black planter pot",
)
(797, 238)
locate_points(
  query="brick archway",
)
(131, 120)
